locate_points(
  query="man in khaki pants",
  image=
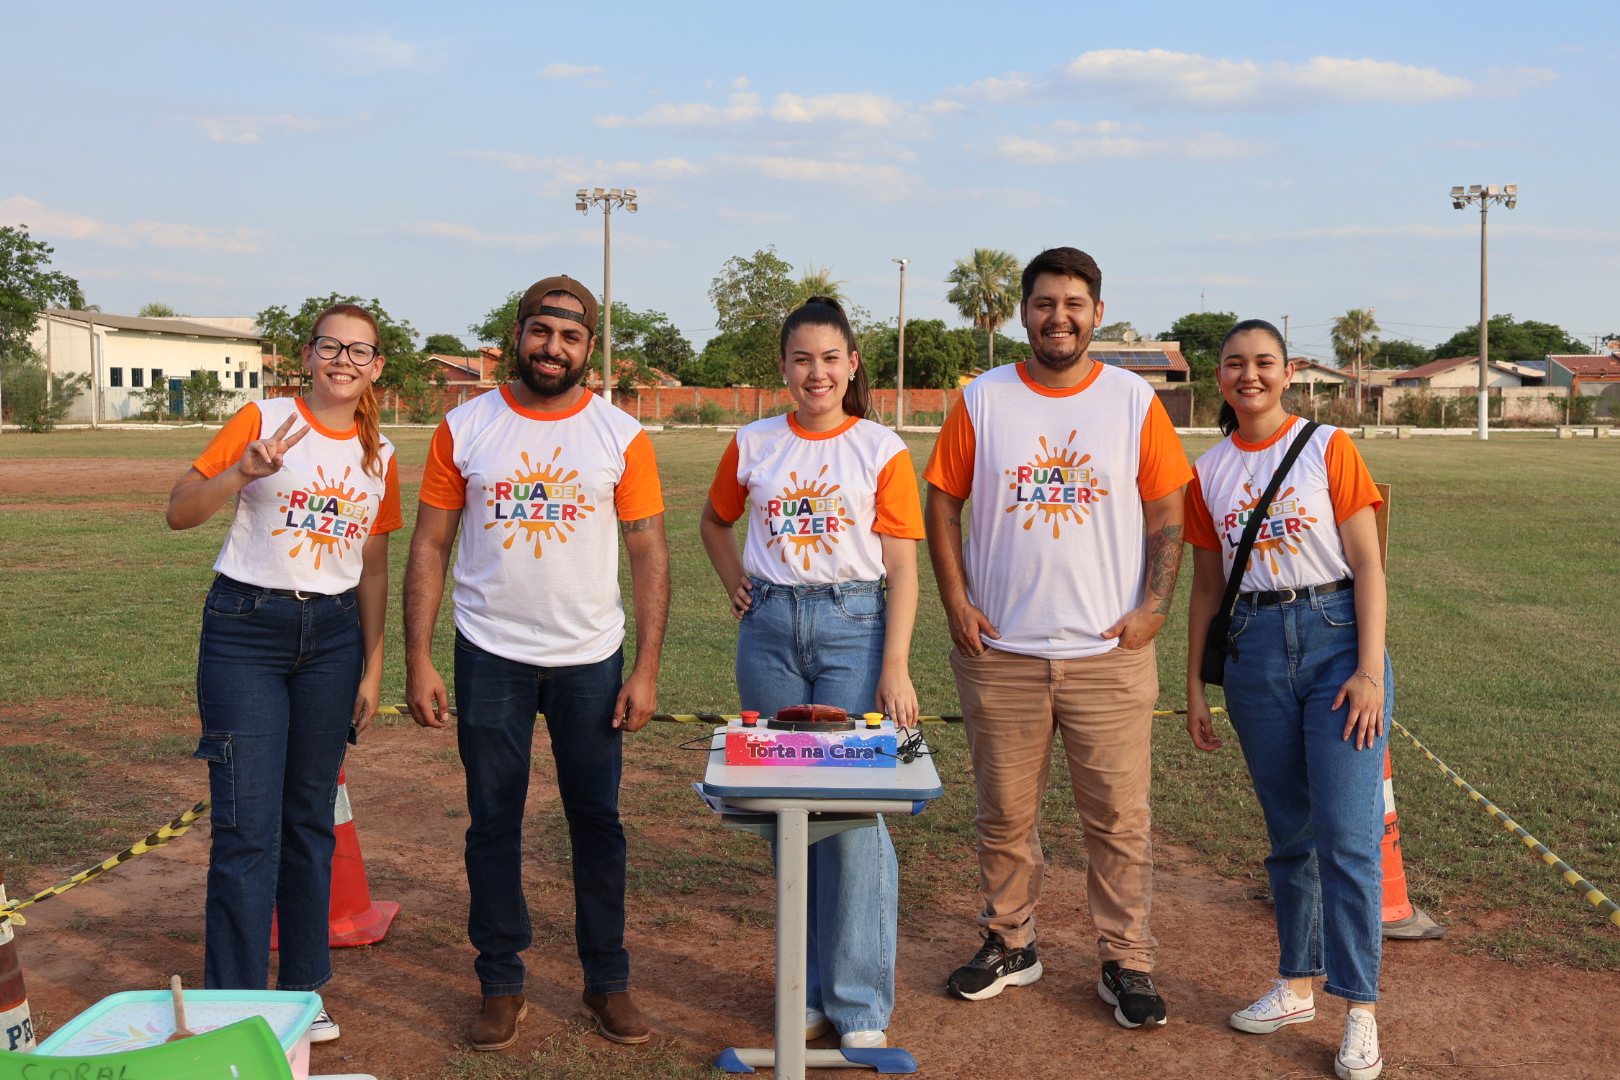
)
(1075, 477)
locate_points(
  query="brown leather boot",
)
(617, 1017)
(497, 1022)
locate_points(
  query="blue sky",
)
(1272, 159)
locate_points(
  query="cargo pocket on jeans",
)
(216, 750)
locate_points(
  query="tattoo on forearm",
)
(639, 525)
(954, 521)
(1164, 564)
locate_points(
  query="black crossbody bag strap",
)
(1251, 530)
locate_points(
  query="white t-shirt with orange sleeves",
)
(541, 496)
(819, 498)
(1055, 552)
(1298, 543)
(303, 527)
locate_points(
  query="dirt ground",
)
(706, 980)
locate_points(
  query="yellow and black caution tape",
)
(721, 718)
(175, 828)
(1593, 895)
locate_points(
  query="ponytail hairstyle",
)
(367, 414)
(1228, 419)
(825, 311)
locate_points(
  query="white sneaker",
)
(1279, 1008)
(1359, 1058)
(323, 1028)
(863, 1040)
(815, 1024)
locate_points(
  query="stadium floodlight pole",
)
(607, 199)
(900, 364)
(1484, 194)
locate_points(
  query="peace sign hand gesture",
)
(263, 457)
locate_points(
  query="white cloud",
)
(1013, 87)
(568, 71)
(1159, 78)
(383, 52)
(884, 181)
(247, 129)
(585, 171)
(741, 82)
(872, 110)
(20, 210)
(447, 230)
(1204, 146)
(742, 107)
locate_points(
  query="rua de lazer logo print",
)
(1286, 520)
(538, 503)
(808, 518)
(1056, 484)
(327, 516)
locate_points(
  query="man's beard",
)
(547, 385)
(1062, 361)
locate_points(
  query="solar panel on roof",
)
(1140, 358)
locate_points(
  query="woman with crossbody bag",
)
(1286, 508)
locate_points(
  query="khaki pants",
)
(1011, 706)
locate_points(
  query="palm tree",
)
(156, 310)
(984, 288)
(819, 281)
(1353, 342)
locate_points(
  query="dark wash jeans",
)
(276, 681)
(497, 700)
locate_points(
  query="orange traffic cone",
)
(354, 919)
(16, 1024)
(1401, 918)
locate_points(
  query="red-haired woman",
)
(290, 664)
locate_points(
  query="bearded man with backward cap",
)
(541, 477)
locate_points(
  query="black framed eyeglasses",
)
(361, 353)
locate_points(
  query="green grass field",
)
(1502, 585)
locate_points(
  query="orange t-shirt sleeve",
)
(443, 486)
(728, 497)
(1350, 485)
(899, 510)
(389, 517)
(638, 493)
(225, 448)
(1198, 521)
(950, 467)
(1162, 463)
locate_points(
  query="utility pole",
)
(607, 200)
(900, 364)
(1484, 194)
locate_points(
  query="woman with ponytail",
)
(290, 665)
(826, 593)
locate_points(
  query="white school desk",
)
(809, 803)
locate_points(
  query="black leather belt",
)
(292, 594)
(1288, 596)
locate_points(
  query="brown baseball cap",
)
(562, 283)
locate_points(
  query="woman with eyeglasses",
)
(826, 594)
(290, 665)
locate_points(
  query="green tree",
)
(819, 281)
(1513, 342)
(23, 397)
(156, 310)
(935, 355)
(984, 288)
(205, 398)
(1200, 334)
(1403, 354)
(751, 297)
(446, 345)
(496, 331)
(1114, 331)
(1355, 337)
(27, 286)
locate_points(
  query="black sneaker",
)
(1132, 995)
(994, 967)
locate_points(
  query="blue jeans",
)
(497, 700)
(1322, 798)
(824, 644)
(276, 681)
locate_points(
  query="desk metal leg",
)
(792, 892)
